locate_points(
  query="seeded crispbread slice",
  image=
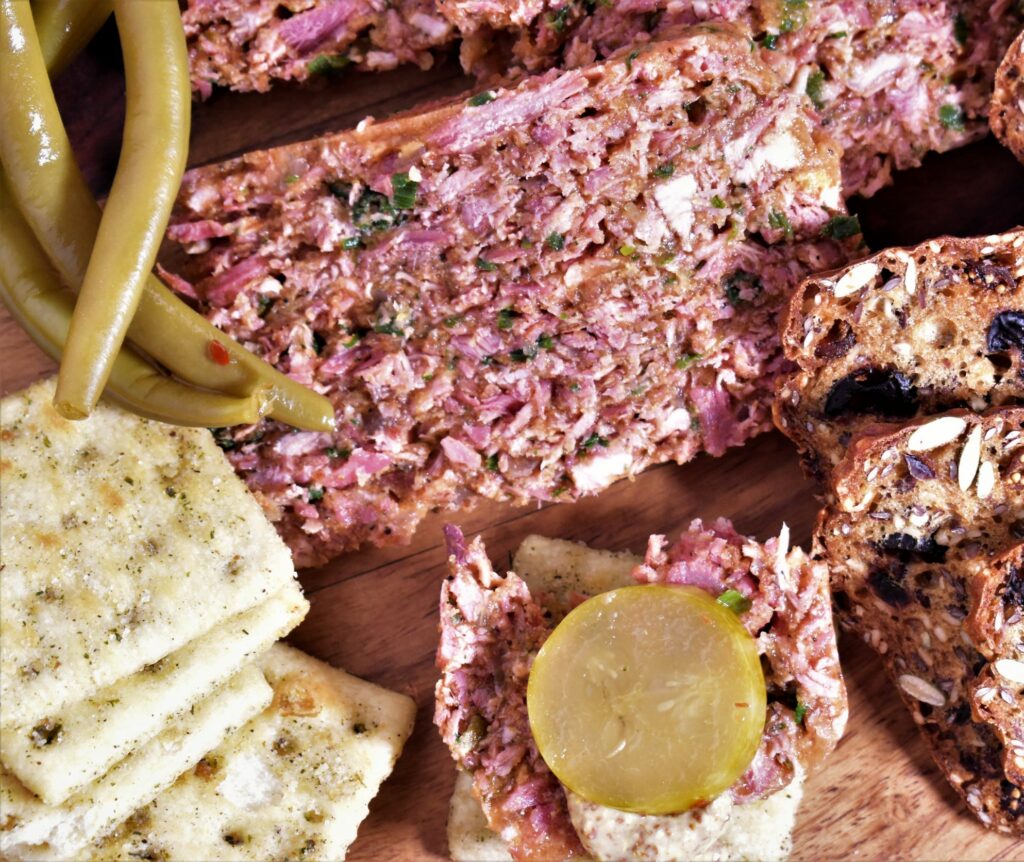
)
(1006, 111)
(35, 831)
(559, 573)
(75, 746)
(920, 512)
(904, 333)
(996, 625)
(294, 783)
(122, 540)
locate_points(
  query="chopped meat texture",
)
(491, 630)
(891, 79)
(522, 299)
(248, 44)
(790, 614)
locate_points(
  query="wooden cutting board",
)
(374, 612)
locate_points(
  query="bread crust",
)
(1006, 112)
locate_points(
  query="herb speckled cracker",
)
(122, 540)
(920, 518)
(294, 783)
(34, 831)
(86, 738)
(560, 571)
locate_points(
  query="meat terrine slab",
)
(122, 540)
(523, 296)
(892, 82)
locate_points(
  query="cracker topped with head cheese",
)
(122, 541)
(507, 802)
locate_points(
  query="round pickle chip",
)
(648, 699)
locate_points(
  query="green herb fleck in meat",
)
(780, 221)
(841, 227)
(373, 212)
(686, 360)
(485, 265)
(815, 85)
(801, 711)
(315, 493)
(735, 601)
(717, 202)
(630, 58)
(665, 170)
(388, 327)
(559, 18)
(319, 343)
(952, 117)
(506, 317)
(770, 41)
(492, 463)
(481, 99)
(555, 241)
(545, 342)
(627, 250)
(523, 354)
(593, 440)
(335, 452)
(403, 196)
(351, 242)
(741, 287)
(961, 29)
(327, 64)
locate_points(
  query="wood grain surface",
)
(374, 612)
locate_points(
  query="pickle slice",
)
(648, 699)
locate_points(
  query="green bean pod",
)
(38, 160)
(30, 289)
(154, 149)
(66, 26)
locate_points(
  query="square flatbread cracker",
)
(294, 783)
(122, 540)
(556, 571)
(90, 736)
(32, 830)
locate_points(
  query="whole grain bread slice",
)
(996, 625)
(903, 333)
(920, 514)
(1006, 112)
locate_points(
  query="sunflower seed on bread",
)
(1006, 112)
(906, 333)
(913, 553)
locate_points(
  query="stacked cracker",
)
(142, 592)
(908, 402)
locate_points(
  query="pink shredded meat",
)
(498, 325)
(892, 79)
(491, 627)
(491, 630)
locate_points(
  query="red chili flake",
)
(219, 353)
